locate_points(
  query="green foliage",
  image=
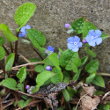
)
(90, 52)
(21, 74)
(36, 37)
(84, 60)
(7, 33)
(53, 60)
(9, 83)
(70, 60)
(9, 62)
(20, 87)
(43, 77)
(90, 78)
(92, 66)
(66, 95)
(23, 103)
(2, 53)
(2, 41)
(82, 26)
(23, 13)
(39, 68)
(104, 106)
(99, 81)
(58, 77)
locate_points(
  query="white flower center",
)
(93, 37)
(75, 43)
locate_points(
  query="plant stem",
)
(11, 47)
(24, 58)
(6, 50)
(24, 65)
(104, 74)
(16, 51)
(38, 53)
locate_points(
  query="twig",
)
(104, 74)
(8, 104)
(80, 100)
(23, 65)
(108, 93)
(29, 95)
(23, 57)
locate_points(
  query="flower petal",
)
(91, 32)
(92, 43)
(80, 44)
(98, 33)
(99, 41)
(70, 46)
(70, 39)
(27, 27)
(75, 49)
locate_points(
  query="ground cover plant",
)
(53, 80)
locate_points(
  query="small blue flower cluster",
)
(49, 50)
(69, 27)
(29, 88)
(93, 38)
(23, 31)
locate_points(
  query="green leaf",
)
(77, 25)
(52, 60)
(20, 87)
(65, 57)
(9, 83)
(2, 53)
(90, 78)
(84, 60)
(87, 26)
(66, 95)
(58, 77)
(39, 68)
(99, 81)
(92, 66)
(77, 74)
(21, 74)
(43, 77)
(74, 63)
(24, 13)
(37, 38)
(9, 62)
(104, 35)
(91, 53)
(2, 41)
(70, 60)
(23, 103)
(82, 26)
(7, 33)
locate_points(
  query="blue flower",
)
(73, 43)
(94, 37)
(67, 26)
(49, 50)
(23, 31)
(48, 68)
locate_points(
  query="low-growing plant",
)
(67, 74)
